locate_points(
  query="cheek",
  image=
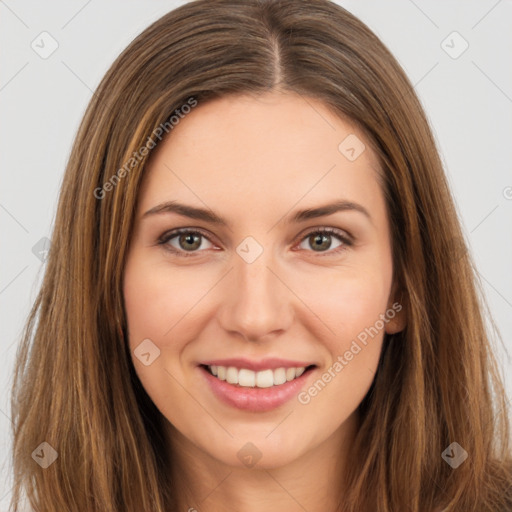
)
(157, 300)
(349, 303)
(159, 307)
(352, 303)
(353, 306)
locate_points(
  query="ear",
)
(396, 312)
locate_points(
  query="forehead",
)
(260, 154)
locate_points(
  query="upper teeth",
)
(251, 379)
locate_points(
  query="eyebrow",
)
(211, 217)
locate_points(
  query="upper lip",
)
(263, 364)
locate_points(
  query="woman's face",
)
(250, 291)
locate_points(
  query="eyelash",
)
(166, 237)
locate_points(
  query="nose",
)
(256, 301)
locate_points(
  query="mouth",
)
(264, 387)
(246, 378)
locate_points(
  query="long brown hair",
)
(74, 385)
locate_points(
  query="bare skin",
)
(255, 162)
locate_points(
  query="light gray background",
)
(468, 100)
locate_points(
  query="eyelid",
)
(343, 236)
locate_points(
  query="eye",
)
(187, 241)
(321, 240)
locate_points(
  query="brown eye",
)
(321, 240)
(184, 242)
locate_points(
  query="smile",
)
(246, 378)
(256, 386)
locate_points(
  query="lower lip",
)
(254, 399)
